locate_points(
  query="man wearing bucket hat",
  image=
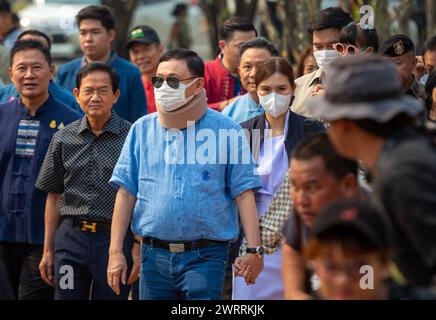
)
(371, 121)
(401, 49)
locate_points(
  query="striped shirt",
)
(26, 137)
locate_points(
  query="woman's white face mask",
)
(171, 99)
(275, 104)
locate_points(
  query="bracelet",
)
(136, 241)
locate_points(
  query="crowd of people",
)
(244, 177)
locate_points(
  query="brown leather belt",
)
(180, 246)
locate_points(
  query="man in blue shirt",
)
(26, 127)
(184, 198)
(252, 52)
(97, 31)
(9, 92)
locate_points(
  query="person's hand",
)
(116, 271)
(249, 267)
(243, 270)
(134, 274)
(46, 268)
(318, 90)
(420, 67)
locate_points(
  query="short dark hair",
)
(235, 23)
(430, 45)
(332, 17)
(98, 66)
(36, 33)
(354, 34)
(260, 43)
(179, 8)
(5, 6)
(319, 145)
(100, 13)
(23, 45)
(193, 60)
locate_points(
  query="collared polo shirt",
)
(23, 145)
(187, 199)
(79, 165)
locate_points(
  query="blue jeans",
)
(189, 275)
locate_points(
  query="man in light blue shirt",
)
(184, 172)
(252, 52)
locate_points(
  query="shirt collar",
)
(112, 58)
(253, 104)
(113, 125)
(316, 77)
(39, 111)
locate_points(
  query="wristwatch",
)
(259, 251)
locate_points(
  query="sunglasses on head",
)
(172, 81)
(347, 48)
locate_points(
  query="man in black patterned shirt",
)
(76, 173)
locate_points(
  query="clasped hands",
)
(249, 267)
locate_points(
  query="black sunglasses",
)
(173, 82)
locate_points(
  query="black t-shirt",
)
(405, 186)
(295, 232)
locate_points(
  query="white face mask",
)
(275, 104)
(325, 57)
(170, 99)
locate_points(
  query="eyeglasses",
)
(347, 48)
(101, 92)
(351, 269)
(173, 82)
